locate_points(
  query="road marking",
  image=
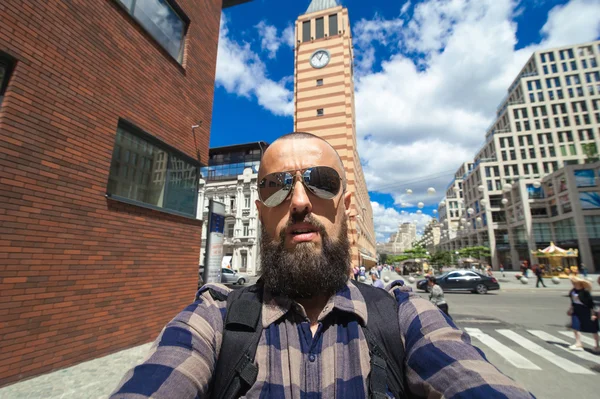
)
(564, 364)
(510, 355)
(585, 339)
(477, 321)
(551, 339)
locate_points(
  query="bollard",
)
(362, 278)
(524, 280)
(555, 280)
(386, 279)
(411, 279)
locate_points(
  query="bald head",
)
(279, 149)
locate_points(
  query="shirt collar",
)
(348, 299)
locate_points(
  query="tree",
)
(417, 252)
(383, 258)
(477, 252)
(590, 151)
(441, 258)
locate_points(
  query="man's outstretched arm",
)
(440, 360)
(183, 357)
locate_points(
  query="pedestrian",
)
(584, 315)
(539, 274)
(376, 281)
(436, 295)
(502, 270)
(355, 271)
(304, 329)
(584, 270)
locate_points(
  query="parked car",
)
(229, 276)
(463, 280)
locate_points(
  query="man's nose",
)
(300, 202)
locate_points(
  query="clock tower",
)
(324, 100)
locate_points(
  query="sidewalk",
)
(94, 379)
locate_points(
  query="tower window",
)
(319, 82)
(306, 31)
(320, 25)
(333, 25)
(320, 112)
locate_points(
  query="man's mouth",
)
(303, 233)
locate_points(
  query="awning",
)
(367, 258)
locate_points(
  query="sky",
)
(428, 78)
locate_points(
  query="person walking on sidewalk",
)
(376, 281)
(584, 317)
(436, 295)
(539, 274)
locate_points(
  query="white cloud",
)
(387, 220)
(417, 121)
(271, 40)
(405, 8)
(241, 71)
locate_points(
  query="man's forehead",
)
(292, 154)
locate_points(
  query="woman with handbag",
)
(583, 314)
(436, 295)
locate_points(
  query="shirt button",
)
(312, 357)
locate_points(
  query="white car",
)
(229, 276)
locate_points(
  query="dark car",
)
(463, 280)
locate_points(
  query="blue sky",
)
(429, 75)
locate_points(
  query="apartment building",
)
(400, 241)
(431, 235)
(231, 178)
(549, 118)
(451, 208)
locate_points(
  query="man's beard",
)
(303, 272)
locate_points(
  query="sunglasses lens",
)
(274, 188)
(323, 181)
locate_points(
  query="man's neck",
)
(313, 307)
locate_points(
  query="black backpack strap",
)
(385, 344)
(235, 371)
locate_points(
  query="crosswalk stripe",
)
(586, 340)
(547, 337)
(510, 355)
(564, 364)
(555, 341)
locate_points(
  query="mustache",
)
(303, 218)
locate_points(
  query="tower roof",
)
(320, 5)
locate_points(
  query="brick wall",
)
(82, 276)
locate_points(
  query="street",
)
(520, 329)
(522, 332)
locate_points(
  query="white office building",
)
(549, 118)
(231, 178)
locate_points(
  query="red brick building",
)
(99, 163)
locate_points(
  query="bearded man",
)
(305, 329)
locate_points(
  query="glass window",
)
(246, 229)
(167, 25)
(320, 112)
(333, 25)
(6, 67)
(246, 201)
(149, 173)
(306, 31)
(319, 82)
(320, 28)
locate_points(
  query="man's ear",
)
(347, 202)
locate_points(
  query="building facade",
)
(324, 98)
(231, 178)
(99, 173)
(400, 241)
(549, 118)
(431, 235)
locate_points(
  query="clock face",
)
(320, 59)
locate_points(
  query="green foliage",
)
(591, 152)
(383, 258)
(477, 252)
(442, 258)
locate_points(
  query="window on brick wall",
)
(145, 171)
(6, 67)
(163, 20)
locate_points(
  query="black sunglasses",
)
(322, 181)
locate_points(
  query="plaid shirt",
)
(334, 363)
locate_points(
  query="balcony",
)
(245, 213)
